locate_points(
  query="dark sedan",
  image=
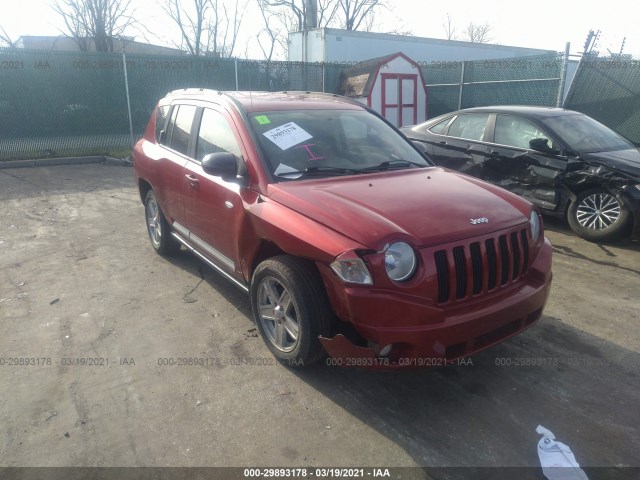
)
(564, 162)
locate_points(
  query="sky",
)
(544, 24)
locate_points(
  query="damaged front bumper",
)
(460, 331)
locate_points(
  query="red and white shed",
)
(392, 85)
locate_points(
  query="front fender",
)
(295, 234)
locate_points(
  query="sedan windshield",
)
(313, 143)
(583, 134)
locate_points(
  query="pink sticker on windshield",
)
(307, 147)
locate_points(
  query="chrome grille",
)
(476, 267)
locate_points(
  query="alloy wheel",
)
(278, 315)
(153, 221)
(598, 211)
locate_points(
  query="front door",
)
(533, 173)
(214, 208)
(400, 98)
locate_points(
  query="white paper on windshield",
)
(287, 135)
(286, 170)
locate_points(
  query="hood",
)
(626, 161)
(423, 206)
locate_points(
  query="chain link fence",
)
(56, 104)
(531, 80)
(608, 89)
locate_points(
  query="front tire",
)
(158, 227)
(599, 216)
(291, 309)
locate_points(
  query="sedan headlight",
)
(534, 225)
(400, 261)
(351, 269)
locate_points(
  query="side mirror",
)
(221, 164)
(542, 145)
(162, 136)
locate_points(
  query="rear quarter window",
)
(161, 119)
(440, 126)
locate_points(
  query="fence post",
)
(235, 66)
(464, 62)
(563, 75)
(126, 86)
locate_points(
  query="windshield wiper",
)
(317, 170)
(386, 165)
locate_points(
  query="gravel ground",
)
(80, 281)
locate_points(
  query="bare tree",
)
(207, 27)
(191, 22)
(5, 39)
(227, 28)
(348, 14)
(284, 16)
(356, 13)
(275, 29)
(449, 28)
(99, 21)
(477, 33)
(302, 11)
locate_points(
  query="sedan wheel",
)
(598, 215)
(598, 211)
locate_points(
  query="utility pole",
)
(310, 14)
(592, 38)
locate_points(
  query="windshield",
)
(302, 143)
(583, 134)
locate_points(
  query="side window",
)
(182, 129)
(215, 135)
(518, 132)
(440, 126)
(470, 126)
(161, 119)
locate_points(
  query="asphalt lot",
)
(80, 281)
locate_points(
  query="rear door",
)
(169, 178)
(461, 144)
(214, 208)
(516, 166)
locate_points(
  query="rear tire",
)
(158, 227)
(291, 309)
(599, 216)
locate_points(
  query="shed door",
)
(400, 98)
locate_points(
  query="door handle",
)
(478, 151)
(494, 153)
(192, 181)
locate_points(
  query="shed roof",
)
(358, 80)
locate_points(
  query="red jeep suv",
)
(348, 239)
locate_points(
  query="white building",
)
(335, 45)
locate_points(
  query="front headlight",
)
(400, 261)
(351, 269)
(534, 225)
